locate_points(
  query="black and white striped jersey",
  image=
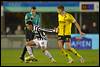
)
(39, 33)
(36, 28)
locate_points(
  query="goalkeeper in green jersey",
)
(33, 16)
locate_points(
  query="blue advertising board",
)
(25, 6)
(40, 4)
(89, 41)
(81, 43)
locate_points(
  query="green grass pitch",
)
(10, 57)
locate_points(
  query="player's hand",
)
(55, 30)
(81, 33)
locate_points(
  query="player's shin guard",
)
(75, 52)
(66, 54)
(47, 53)
(29, 49)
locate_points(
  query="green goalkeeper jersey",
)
(34, 18)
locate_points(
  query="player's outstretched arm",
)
(47, 30)
(38, 28)
(79, 29)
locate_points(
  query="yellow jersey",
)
(65, 22)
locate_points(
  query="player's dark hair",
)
(61, 7)
(33, 7)
(29, 23)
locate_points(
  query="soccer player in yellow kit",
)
(65, 21)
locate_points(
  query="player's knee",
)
(29, 44)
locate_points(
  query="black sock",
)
(24, 52)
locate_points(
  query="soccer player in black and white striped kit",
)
(39, 40)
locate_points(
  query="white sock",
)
(47, 53)
(29, 50)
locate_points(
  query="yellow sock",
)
(66, 54)
(75, 52)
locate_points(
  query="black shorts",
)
(29, 35)
(65, 38)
